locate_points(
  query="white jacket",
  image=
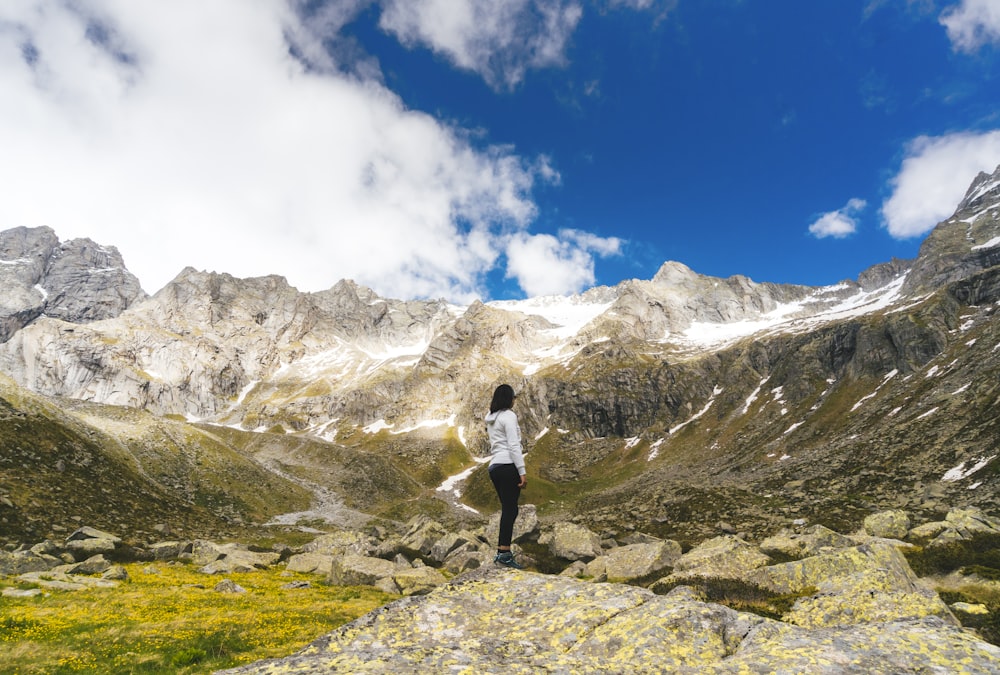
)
(505, 439)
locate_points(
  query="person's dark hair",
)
(503, 398)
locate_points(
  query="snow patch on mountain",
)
(797, 316)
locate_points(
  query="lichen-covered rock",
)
(309, 562)
(228, 586)
(496, 620)
(627, 563)
(169, 550)
(22, 562)
(116, 573)
(422, 535)
(203, 552)
(893, 524)
(341, 543)
(863, 584)
(927, 532)
(97, 564)
(81, 549)
(788, 543)
(467, 557)
(727, 557)
(958, 525)
(570, 541)
(418, 580)
(971, 521)
(449, 543)
(359, 570)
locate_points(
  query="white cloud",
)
(839, 223)
(186, 133)
(934, 177)
(497, 39)
(972, 23)
(547, 265)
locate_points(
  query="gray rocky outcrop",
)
(958, 525)
(802, 542)
(359, 570)
(570, 541)
(502, 621)
(867, 583)
(726, 557)
(894, 524)
(634, 561)
(76, 281)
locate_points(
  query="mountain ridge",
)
(668, 404)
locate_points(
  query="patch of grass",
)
(742, 596)
(981, 550)
(981, 571)
(988, 625)
(173, 622)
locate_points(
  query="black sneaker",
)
(506, 558)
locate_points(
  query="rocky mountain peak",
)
(965, 243)
(984, 189)
(77, 281)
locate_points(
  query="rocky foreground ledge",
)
(495, 620)
(842, 603)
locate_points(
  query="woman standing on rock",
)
(506, 467)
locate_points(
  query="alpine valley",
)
(678, 406)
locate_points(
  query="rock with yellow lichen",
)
(638, 561)
(794, 543)
(861, 584)
(726, 557)
(892, 524)
(570, 541)
(495, 620)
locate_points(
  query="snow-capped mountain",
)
(638, 397)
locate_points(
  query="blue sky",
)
(501, 148)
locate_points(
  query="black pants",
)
(505, 479)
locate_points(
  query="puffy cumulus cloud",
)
(497, 39)
(934, 177)
(839, 223)
(221, 135)
(972, 23)
(544, 264)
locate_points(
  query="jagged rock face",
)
(965, 243)
(76, 281)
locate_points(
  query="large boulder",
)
(359, 570)
(169, 550)
(22, 562)
(958, 525)
(893, 524)
(868, 583)
(467, 557)
(638, 561)
(422, 535)
(418, 580)
(570, 541)
(87, 542)
(449, 543)
(341, 543)
(794, 544)
(229, 558)
(727, 557)
(310, 563)
(496, 620)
